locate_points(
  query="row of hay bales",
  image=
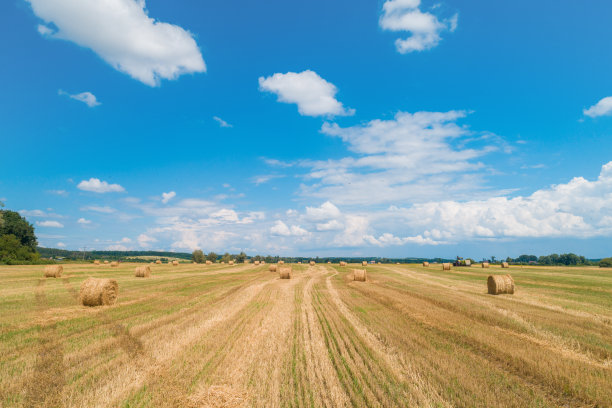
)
(446, 266)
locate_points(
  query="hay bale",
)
(342, 263)
(105, 262)
(281, 262)
(272, 268)
(96, 262)
(256, 263)
(328, 262)
(425, 264)
(468, 262)
(231, 262)
(500, 284)
(364, 263)
(114, 264)
(222, 262)
(263, 262)
(98, 292)
(175, 263)
(143, 272)
(446, 266)
(359, 275)
(485, 264)
(208, 262)
(299, 262)
(53, 271)
(285, 272)
(505, 265)
(312, 263)
(158, 262)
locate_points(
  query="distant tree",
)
(198, 256)
(212, 257)
(492, 259)
(605, 263)
(15, 224)
(226, 257)
(240, 258)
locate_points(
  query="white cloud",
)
(265, 178)
(425, 28)
(145, 240)
(83, 221)
(61, 245)
(97, 186)
(413, 157)
(123, 35)
(313, 95)
(117, 247)
(282, 229)
(50, 224)
(62, 193)
(601, 108)
(33, 213)
(99, 209)
(222, 123)
(168, 196)
(87, 98)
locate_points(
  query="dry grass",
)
(236, 337)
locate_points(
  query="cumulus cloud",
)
(50, 224)
(33, 213)
(282, 229)
(83, 221)
(313, 95)
(145, 240)
(87, 98)
(601, 108)
(222, 123)
(168, 196)
(61, 245)
(97, 186)
(425, 28)
(123, 35)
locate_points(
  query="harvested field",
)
(238, 336)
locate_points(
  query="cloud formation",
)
(601, 108)
(123, 35)
(425, 28)
(313, 95)
(222, 123)
(87, 98)
(168, 196)
(50, 224)
(97, 186)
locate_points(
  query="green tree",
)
(226, 257)
(198, 256)
(241, 257)
(15, 224)
(605, 263)
(212, 257)
(11, 251)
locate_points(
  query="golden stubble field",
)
(233, 336)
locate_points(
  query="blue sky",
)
(391, 128)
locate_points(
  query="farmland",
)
(233, 336)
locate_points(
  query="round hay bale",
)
(446, 266)
(485, 264)
(359, 275)
(231, 262)
(425, 264)
(222, 262)
(114, 264)
(208, 262)
(53, 271)
(272, 268)
(143, 272)
(175, 263)
(285, 272)
(99, 292)
(96, 262)
(342, 263)
(468, 262)
(328, 262)
(158, 262)
(500, 284)
(312, 263)
(364, 263)
(256, 263)
(299, 262)
(263, 262)
(505, 265)
(105, 262)
(281, 262)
